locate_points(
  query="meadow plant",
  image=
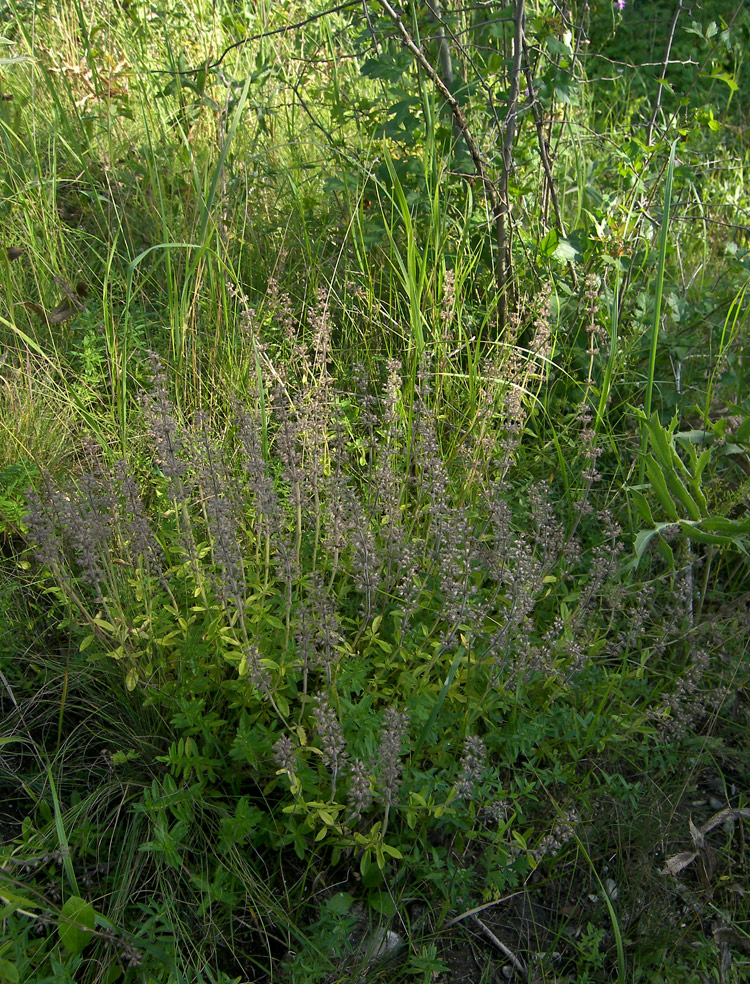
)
(328, 731)
(348, 611)
(472, 767)
(311, 592)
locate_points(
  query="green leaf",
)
(364, 863)
(283, 705)
(642, 540)
(77, 921)
(566, 252)
(340, 903)
(392, 851)
(383, 903)
(679, 490)
(659, 485)
(726, 78)
(667, 554)
(697, 535)
(549, 244)
(641, 504)
(8, 972)
(388, 68)
(731, 527)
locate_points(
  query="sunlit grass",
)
(293, 479)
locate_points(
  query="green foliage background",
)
(252, 300)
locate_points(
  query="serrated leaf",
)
(727, 79)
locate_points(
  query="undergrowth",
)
(373, 536)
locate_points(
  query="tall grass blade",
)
(62, 837)
(659, 290)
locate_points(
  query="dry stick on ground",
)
(515, 961)
(481, 908)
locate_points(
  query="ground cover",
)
(374, 458)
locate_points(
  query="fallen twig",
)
(518, 964)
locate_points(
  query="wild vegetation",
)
(374, 457)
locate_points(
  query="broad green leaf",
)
(340, 903)
(549, 244)
(8, 972)
(566, 252)
(383, 903)
(726, 78)
(77, 921)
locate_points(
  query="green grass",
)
(331, 603)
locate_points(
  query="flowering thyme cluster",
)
(563, 831)
(473, 763)
(360, 795)
(392, 735)
(332, 741)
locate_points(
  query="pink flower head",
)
(620, 4)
